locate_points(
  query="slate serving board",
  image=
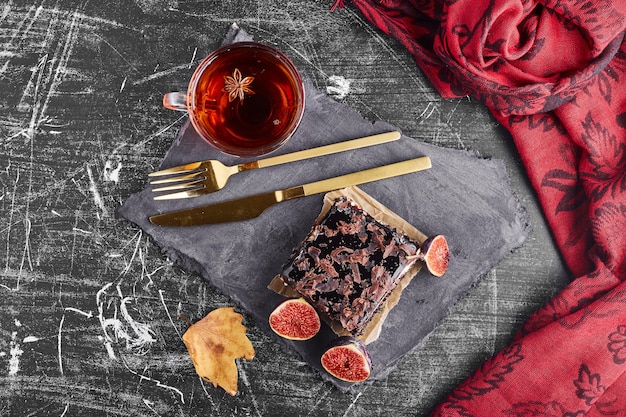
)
(464, 197)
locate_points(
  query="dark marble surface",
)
(88, 318)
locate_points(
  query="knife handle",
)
(362, 177)
(328, 149)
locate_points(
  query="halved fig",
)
(347, 359)
(295, 319)
(435, 254)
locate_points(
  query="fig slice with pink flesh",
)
(435, 254)
(295, 319)
(347, 359)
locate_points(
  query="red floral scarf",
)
(553, 72)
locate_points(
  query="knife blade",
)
(249, 207)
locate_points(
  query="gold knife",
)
(252, 206)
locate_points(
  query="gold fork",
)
(204, 177)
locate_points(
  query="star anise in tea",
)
(236, 86)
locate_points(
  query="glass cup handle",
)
(176, 100)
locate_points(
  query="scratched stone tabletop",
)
(90, 308)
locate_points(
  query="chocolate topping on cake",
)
(348, 264)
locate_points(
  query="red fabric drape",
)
(553, 72)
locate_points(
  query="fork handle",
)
(324, 150)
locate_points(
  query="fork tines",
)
(188, 184)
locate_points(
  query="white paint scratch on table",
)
(193, 58)
(6, 10)
(110, 173)
(130, 64)
(98, 21)
(428, 111)
(492, 283)
(246, 382)
(320, 398)
(339, 87)
(356, 398)
(155, 381)
(169, 315)
(160, 132)
(95, 193)
(149, 404)
(206, 392)
(136, 237)
(88, 314)
(30, 339)
(160, 74)
(15, 351)
(59, 350)
(137, 336)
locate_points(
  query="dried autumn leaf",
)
(214, 343)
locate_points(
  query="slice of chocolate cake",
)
(349, 264)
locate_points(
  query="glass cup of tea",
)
(246, 99)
